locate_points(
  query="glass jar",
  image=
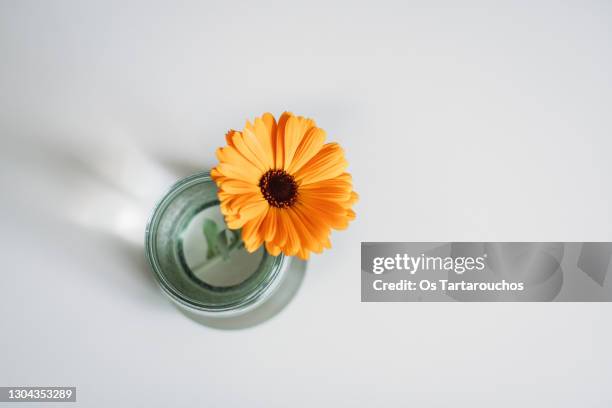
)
(186, 264)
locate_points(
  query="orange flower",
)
(283, 185)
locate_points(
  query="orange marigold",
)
(283, 185)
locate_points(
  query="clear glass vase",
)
(192, 268)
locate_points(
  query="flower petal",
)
(243, 142)
(238, 172)
(270, 123)
(328, 163)
(295, 130)
(234, 186)
(303, 254)
(310, 145)
(273, 249)
(258, 137)
(251, 232)
(231, 203)
(280, 237)
(279, 160)
(269, 225)
(327, 211)
(307, 239)
(248, 212)
(292, 245)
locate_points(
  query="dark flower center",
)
(279, 188)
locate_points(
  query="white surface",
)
(478, 123)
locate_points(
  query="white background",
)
(483, 122)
